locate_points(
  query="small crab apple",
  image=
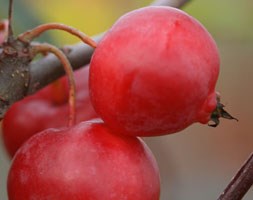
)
(47, 108)
(154, 73)
(86, 161)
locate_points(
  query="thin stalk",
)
(28, 36)
(43, 48)
(241, 182)
(10, 31)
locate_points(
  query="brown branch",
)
(241, 182)
(49, 68)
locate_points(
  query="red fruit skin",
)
(86, 162)
(154, 73)
(47, 108)
(3, 30)
(1, 37)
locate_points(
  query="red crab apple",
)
(85, 161)
(47, 108)
(154, 73)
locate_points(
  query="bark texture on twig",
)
(241, 182)
(48, 69)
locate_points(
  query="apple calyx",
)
(218, 113)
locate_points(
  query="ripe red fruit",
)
(86, 162)
(154, 73)
(47, 108)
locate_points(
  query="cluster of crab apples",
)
(153, 73)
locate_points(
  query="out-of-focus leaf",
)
(226, 20)
(24, 17)
(89, 16)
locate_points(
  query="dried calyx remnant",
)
(218, 113)
(16, 55)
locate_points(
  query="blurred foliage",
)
(90, 16)
(226, 20)
(24, 17)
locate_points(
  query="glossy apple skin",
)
(47, 108)
(87, 162)
(154, 73)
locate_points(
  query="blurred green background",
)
(197, 163)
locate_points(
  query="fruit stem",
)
(43, 48)
(29, 35)
(241, 182)
(10, 31)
